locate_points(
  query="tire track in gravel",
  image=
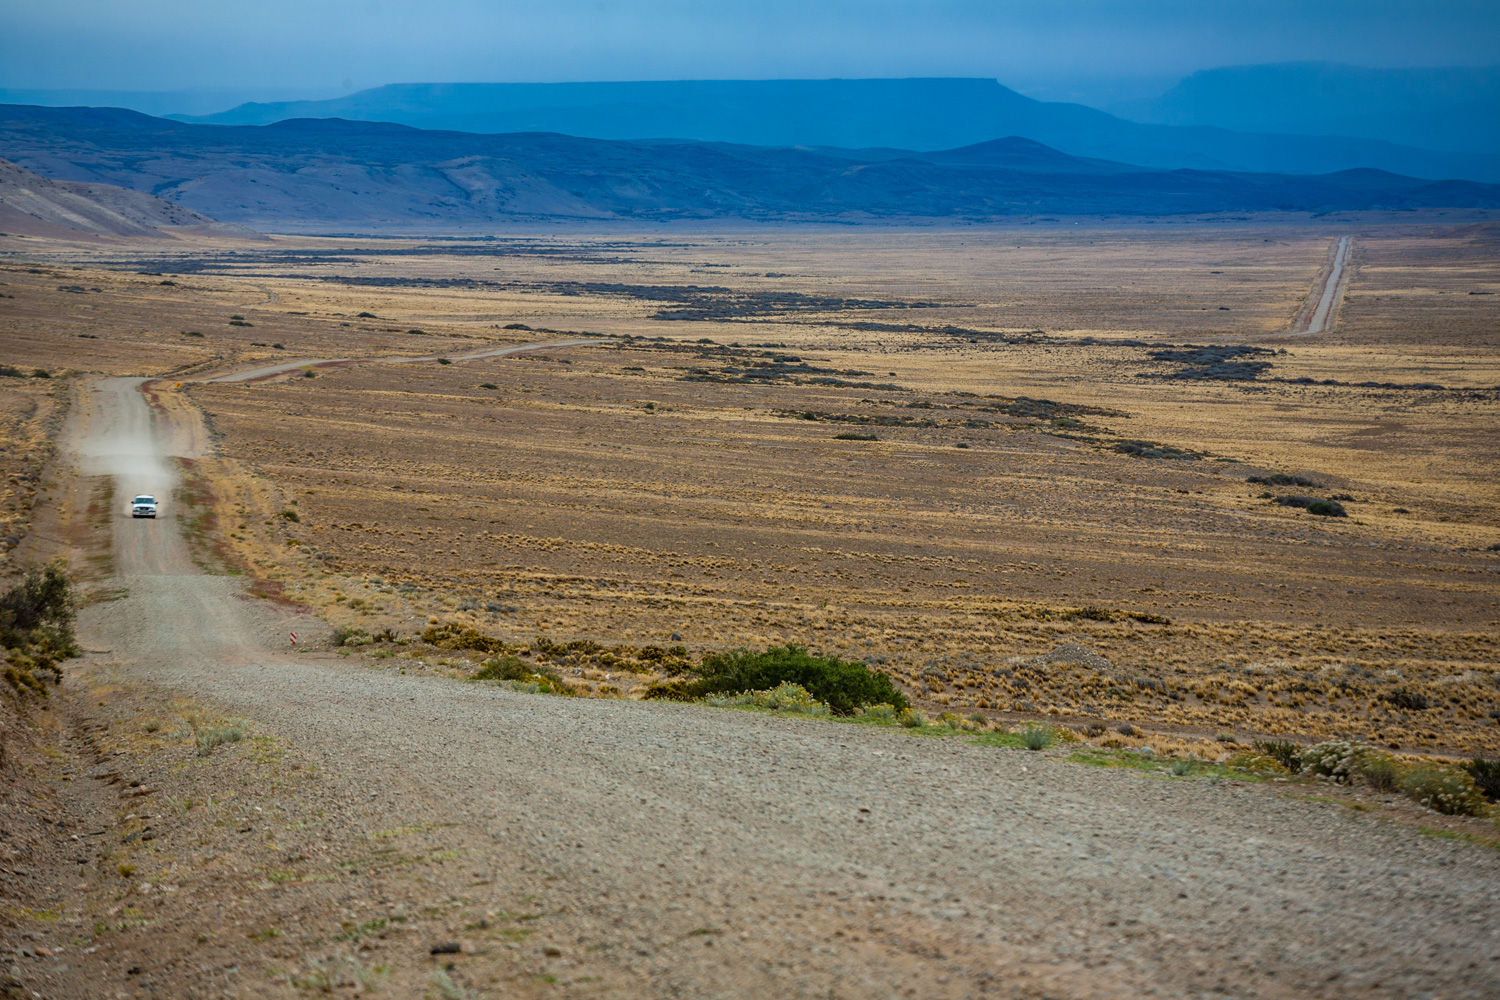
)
(687, 851)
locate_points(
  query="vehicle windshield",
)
(145, 499)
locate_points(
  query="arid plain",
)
(1031, 472)
(685, 474)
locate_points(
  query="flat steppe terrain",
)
(956, 455)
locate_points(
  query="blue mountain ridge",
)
(332, 174)
(914, 114)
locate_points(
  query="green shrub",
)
(855, 436)
(535, 677)
(36, 629)
(291, 515)
(1437, 788)
(1284, 752)
(1335, 759)
(912, 718)
(841, 684)
(347, 636)
(38, 609)
(1035, 737)
(1380, 771)
(1486, 775)
(782, 698)
(882, 712)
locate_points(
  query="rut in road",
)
(819, 859)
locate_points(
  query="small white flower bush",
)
(1445, 791)
(1335, 760)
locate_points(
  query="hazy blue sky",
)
(327, 46)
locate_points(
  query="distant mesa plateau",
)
(320, 175)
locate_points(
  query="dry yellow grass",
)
(629, 492)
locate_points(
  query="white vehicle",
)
(143, 506)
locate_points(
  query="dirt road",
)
(686, 851)
(1327, 295)
(266, 371)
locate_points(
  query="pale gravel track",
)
(267, 371)
(976, 871)
(1327, 295)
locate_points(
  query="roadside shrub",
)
(1256, 762)
(1284, 752)
(841, 684)
(1338, 760)
(1442, 790)
(884, 712)
(1380, 771)
(38, 608)
(855, 436)
(1486, 776)
(346, 636)
(912, 718)
(1035, 737)
(782, 698)
(511, 669)
(36, 629)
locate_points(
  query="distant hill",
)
(1446, 108)
(919, 114)
(32, 205)
(334, 175)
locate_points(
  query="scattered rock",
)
(1072, 652)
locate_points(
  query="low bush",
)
(1486, 776)
(36, 629)
(1338, 760)
(1411, 701)
(347, 636)
(1380, 771)
(843, 685)
(783, 698)
(1284, 752)
(1036, 737)
(882, 712)
(1445, 791)
(1323, 508)
(912, 718)
(512, 669)
(855, 436)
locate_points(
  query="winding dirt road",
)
(687, 851)
(267, 371)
